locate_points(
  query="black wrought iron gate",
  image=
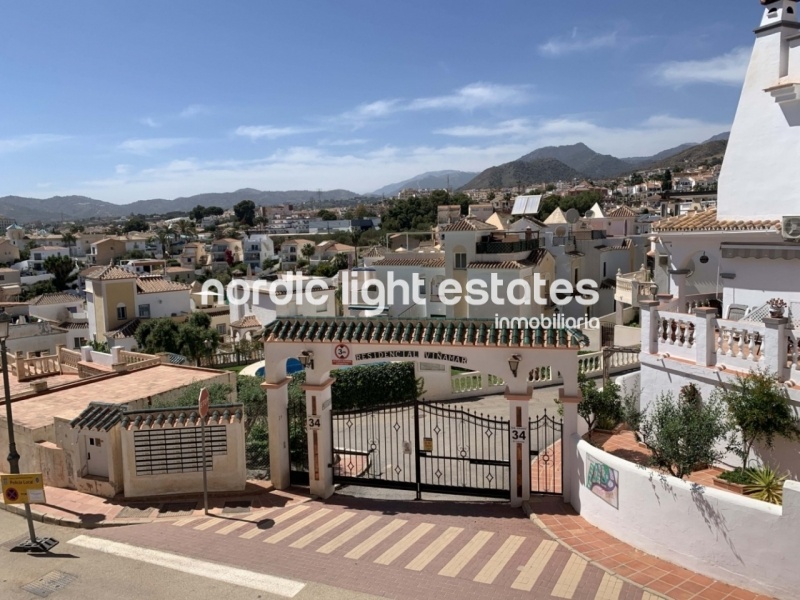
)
(298, 443)
(422, 447)
(547, 460)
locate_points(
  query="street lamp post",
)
(13, 455)
(34, 544)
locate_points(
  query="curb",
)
(526, 507)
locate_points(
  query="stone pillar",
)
(278, 413)
(619, 312)
(520, 447)
(704, 339)
(115, 359)
(678, 287)
(773, 348)
(570, 397)
(320, 445)
(648, 319)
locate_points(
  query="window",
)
(221, 329)
(78, 342)
(37, 256)
(461, 260)
(605, 266)
(144, 311)
(122, 312)
(2, 277)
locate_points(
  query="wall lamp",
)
(704, 258)
(306, 359)
(513, 364)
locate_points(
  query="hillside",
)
(583, 159)
(433, 180)
(691, 157)
(70, 208)
(637, 161)
(522, 173)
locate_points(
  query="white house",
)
(721, 266)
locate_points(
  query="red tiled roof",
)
(55, 298)
(106, 272)
(156, 283)
(410, 261)
(622, 211)
(468, 225)
(535, 259)
(707, 221)
(246, 322)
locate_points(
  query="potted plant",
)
(777, 306)
(765, 484)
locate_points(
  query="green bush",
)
(738, 475)
(683, 435)
(371, 385)
(765, 484)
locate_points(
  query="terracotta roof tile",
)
(409, 261)
(468, 225)
(156, 283)
(54, 298)
(73, 325)
(707, 221)
(246, 322)
(375, 251)
(622, 211)
(106, 272)
(126, 331)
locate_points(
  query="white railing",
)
(39, 366)
(675, 334)
(137, 360)
(739, 343)
(69, 359)
(687, 304)
(474, 382)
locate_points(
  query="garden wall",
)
(731, 538)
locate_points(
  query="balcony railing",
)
(499, 247)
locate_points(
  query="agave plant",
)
(765, 484)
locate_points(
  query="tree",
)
(245, 212)
(37, 289)
(666, 181)
(229, 257)
(326, 215)
(195, 342)
(269, 263)
(308, 250)
(759, 409)
(197, 213)
(60, 267)
(69, 239)
(682, 434)
(599, 406)
(164, 236)
(136, 223)
(158, 335)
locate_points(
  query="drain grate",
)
(49, 583)
(236, 506)
(137, 511)
(177, 509)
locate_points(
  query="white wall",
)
(759, 279)
(731, 538)
(165, 304)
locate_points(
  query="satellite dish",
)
(572, 216)
(589, 214)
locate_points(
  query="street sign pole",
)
(203, 410)
(26, 488)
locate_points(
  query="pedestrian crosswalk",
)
(483, 557)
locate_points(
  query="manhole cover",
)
(136, 511)
(236, 506)
(177, 509)
(49, 583)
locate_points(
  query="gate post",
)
(320, 438)
(278, 419)
(520, 453)
(570, 397)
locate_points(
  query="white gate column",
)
(278, 423)
(570, 397)
(319, 426)
(520, 447)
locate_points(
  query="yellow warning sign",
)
(19, 489)
(427, 444)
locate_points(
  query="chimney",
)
(528, 233)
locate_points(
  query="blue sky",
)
(152, 99)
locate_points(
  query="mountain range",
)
(72, 208)
(433, 180)
(578, 161)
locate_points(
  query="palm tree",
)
(308, 251)
(163, 235)
(69, 239)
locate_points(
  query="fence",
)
(221, 360)
(135, 360)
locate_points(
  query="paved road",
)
(392, 549)
(98, 575)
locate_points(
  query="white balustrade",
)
(739, 343)
(675, 334)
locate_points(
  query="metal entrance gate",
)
(547, 460)
(298, 443)
(422, 447)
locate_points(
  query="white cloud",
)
(473, 96)
(149, 122)
(513, 127)
(343, 142)
(147, 145)
(22, 142)
(575, 42)
(727, 69)
(255, 132)
(195, 110)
